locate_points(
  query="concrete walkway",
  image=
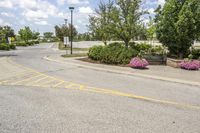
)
(157, 72)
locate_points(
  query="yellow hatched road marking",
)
(36, 81)
(16, 76)
(58, 84)
(27, 79)
(49, 81)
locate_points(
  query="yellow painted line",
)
(5, 81)
(113, 92)
(27, 79)
(40, 79)
(58, 84)
(18, 75)
(118, 93)
(48, 82)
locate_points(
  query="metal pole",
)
(66, 27)
(71, 31)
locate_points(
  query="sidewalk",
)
(157, 72)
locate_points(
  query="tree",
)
(26, 34)
(48, 35)
(125, 19)
(151, 30)
(5, 32)
(35, 35)
(178, 25)
(58, 32)
(99, 24)
(65, 31)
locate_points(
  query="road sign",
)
(66, 40)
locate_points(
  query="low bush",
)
(36, 42)
(12, 46)
(141, 47)
(21, 44)
(196, 53)
(114, 53)
(30, 43)
(95, 52)
(4, 46)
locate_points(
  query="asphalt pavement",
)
(37, 95)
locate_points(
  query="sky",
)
(42, 15)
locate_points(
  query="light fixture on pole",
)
(65, 21)
(71, 8)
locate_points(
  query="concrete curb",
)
(173, 80)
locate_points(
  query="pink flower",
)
(190, 65)
(138, 63)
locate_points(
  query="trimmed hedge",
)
(114, 53)
(21, 44)
(4, 46)
(24, 44)
(196, 53)
(12, 46)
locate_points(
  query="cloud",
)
(35, 15)
(161, 2)
(6, 14)
(41, 22)
(28, 4)
(86, 10)
(6, 4)
(75, 2)
(3, 23)
(72, 2)
(61, 2)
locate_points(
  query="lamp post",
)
(65, 37)
(65, 22)
(71, 8)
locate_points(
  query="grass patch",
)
(74, 55)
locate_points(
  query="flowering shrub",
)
(190, 65)
(138, 63)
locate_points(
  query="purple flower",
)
(138, 63)
(190, 65)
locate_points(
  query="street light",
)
(71, 8)
(65, 21)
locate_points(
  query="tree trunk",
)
(105, 42)
(126, 43)
(180, 55)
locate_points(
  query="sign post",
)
(66, 42)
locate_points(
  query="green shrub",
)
(115, 53)
(12, 46)
(195, 53)
(36, 42)
(21, 44)
(158, 50)
(30, 43)
(141, 47)
(4, 46)
(95, 52)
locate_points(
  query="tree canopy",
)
(117, 19)
(65, 31)
(178, 25)
(26, 34)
